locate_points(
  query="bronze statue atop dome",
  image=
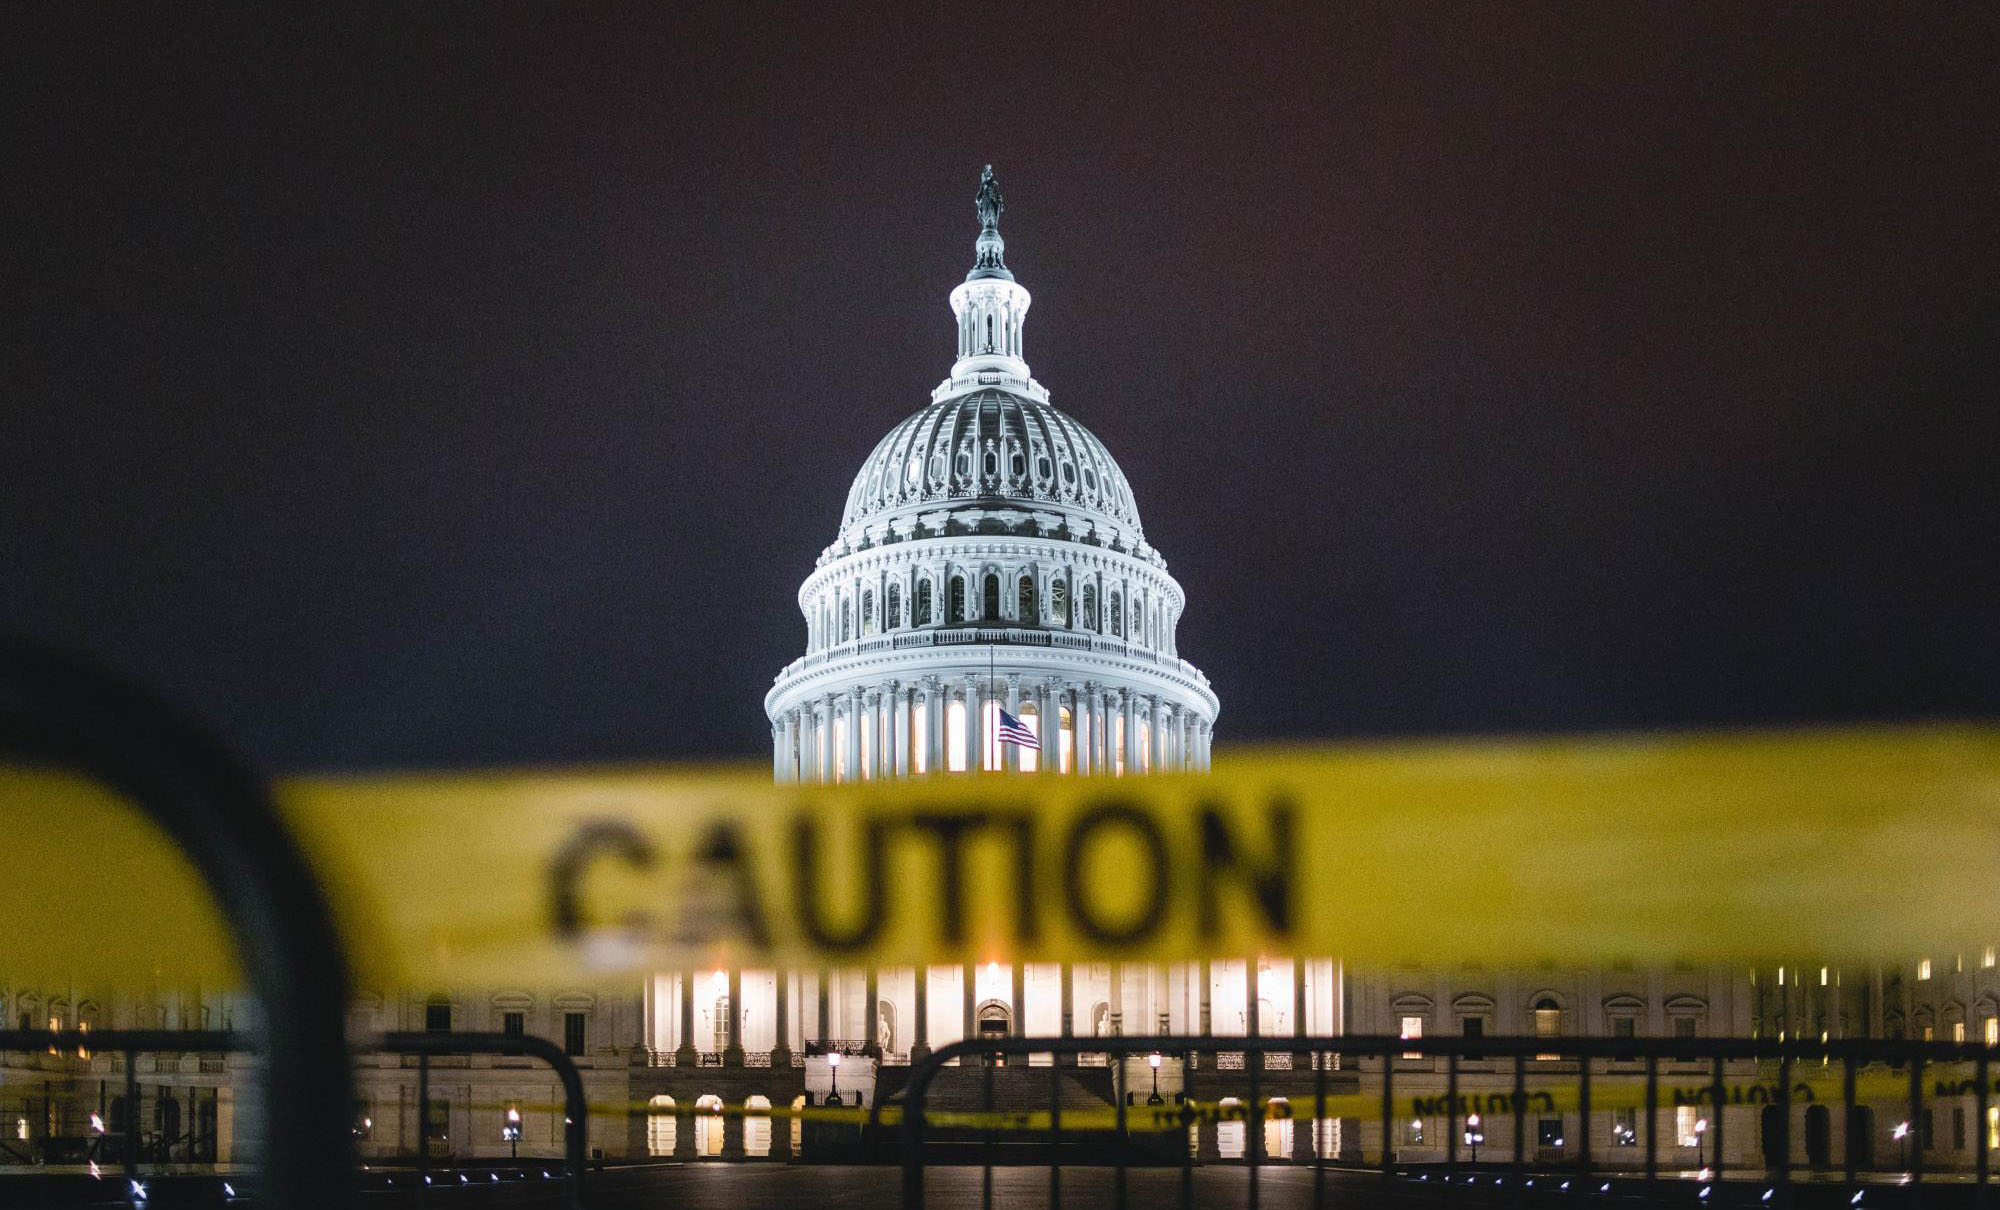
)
(989, 201)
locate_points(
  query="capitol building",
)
(990, 568)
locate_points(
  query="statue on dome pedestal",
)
(989, 201)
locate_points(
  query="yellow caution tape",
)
(1858, 843)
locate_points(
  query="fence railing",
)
(1583, 1063)
(427, 1045)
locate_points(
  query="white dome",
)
(990, 565)
(994, 448)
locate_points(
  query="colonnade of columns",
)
(897, 729)
(1304, 1001)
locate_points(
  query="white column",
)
(975, 718)
(900, 724)
(884, 722)
(933, 725)
(1086, 762)
(1045, 730)
(1010, 755)
(854, 734)
(1130, 707)
(778, 751)
(1100, 730)
(809, 742)
(1158, 762)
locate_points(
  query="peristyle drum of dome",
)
(990, 558)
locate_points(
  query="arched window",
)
(1028, 612)
(923, 607)
(868, 612)
(955, 600)
(989, 333)
(992, 596)
(894, 618)
(662, 1131)
(846, 620)
(1090, 607)
(1138, 622)
(708, 1125)
(1059, 602)
(1117, 615)
(757, 1125)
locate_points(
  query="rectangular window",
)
(1413, 1132)
(1473, 1027)
(437, 1018)
(513, 1024)
(1624, 1027)
(1930, 1034)
(437, 1125)
(1987, 956)
(1685, 1117)
(1990, 1030)
(1549, 1132)
(1625, 1128)
(1958, 1128)
(1413, 1027)
(1923, 968)
(573, 1033)
(1684, 1027)
(1958, 1031)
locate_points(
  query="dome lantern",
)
(991, 307)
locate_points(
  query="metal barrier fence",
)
(576, 1107)
(1905, 1061)
(130, 1043)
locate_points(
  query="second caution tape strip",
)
(1857, 843)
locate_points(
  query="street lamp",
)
(833, 1077)
(1475, 1134)
(1902, 1135)
(1153, 1061)
(512, 1133)
(1700, 1133)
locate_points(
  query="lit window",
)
(1958, 1031)
(1930, 1034)
(1923, 968)
(1958, 964)
(1986, 957)
(1685, 1117)
(1413, 1027)
(1548, 1023)
(954, 737)
(1822, 976)
(1625, 1128)
(1990, 1030)
(1413, 1132)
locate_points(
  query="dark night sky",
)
(478, 385)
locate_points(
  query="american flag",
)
(1014, 731)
